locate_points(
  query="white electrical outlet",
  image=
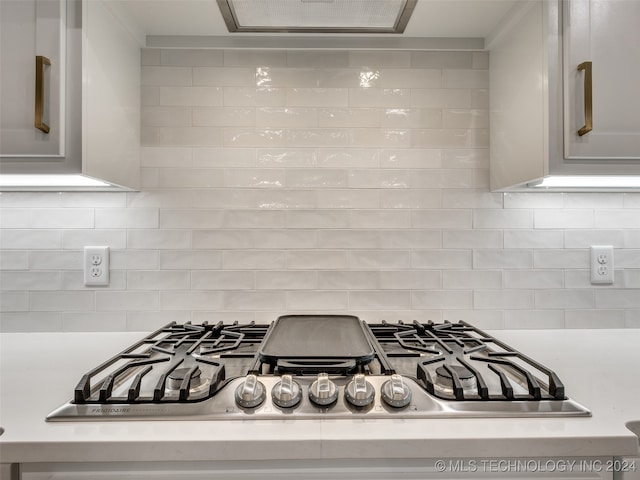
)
(96, 266)
(602, 264)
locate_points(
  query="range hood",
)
(316, 16)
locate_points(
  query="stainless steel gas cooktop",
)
(317, 366)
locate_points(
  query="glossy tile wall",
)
(317, 181)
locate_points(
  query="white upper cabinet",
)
(603, 36)
(540, 97)
(70, 91)
(32, 49)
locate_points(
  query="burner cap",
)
(462, 372)
(175, 378)
(467, 378)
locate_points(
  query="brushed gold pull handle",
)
(38, 121)
(588, 98)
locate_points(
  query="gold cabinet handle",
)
(38, 121)
(588, 98)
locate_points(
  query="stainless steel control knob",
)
(251, 392)
(359, 392)
(286, 393)
(395, 392)
(323, 391)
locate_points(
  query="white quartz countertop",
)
(600, 369)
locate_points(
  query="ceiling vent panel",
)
(317, 16)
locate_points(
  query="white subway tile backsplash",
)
(28, 281)
(126, 301)
(538, 279)
(31, 322)
(450, 138)
(444, 179)
(224, 76)
(40, 301)
(465, 78)
(255, 97)
(534, 319)
(442, 218)
(380, 219)
(556, 258)
(414, 158)
(187, 136)
(167, 117)
(414, 238)
(349, 198)
(494, 218)
(316, 259)
(448, 60)
(253, 58)
(223, 116)
(14, 302)
(190, 96)
(525, 238)
(380, 300)
(189, 300)
(471, 198)
(380, 259)
(158, 280)
(595, 200)
(280, 181)
(442, 299)
(410, 199)
(586, 238)
(629, 218)
(349, 117)
(253, 300)
(440, 98)
(317, 219)
(15, 260)
(411, 279)
(569, 218)
(533, 200)
(286, 280)
(54, 260)
(222, 280)
(253, 260)
(441, 259)
(503, 299)
(190, 57)
(192, 259)
(284, 238)
(472, 239)
(348, 239)
(471, 279)
(94, 322)
(350, 280)
(595, 319)
(126, 218)
(567, 298)
(158, 239)
(317, 300)
(614, 298)
(134, 259)
(379, 58)
(169, 76)
(503, 259)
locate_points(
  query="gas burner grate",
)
(493, 371)
(141, 373)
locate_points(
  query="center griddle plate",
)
(317, 337)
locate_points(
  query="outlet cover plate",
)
(96, 266)
(602, 264)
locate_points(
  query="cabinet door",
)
(607, 34)
(31, 28)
